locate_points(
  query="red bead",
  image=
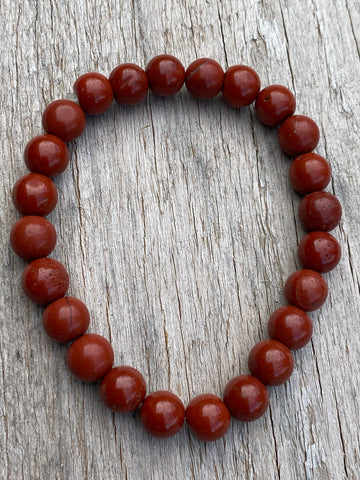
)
(320, 211)
(306, 289)
(271, 362)
(46, 154)
(246, 398)
(241, 86)
(34, 194)
(66, 319)
(129, 83)
(208, 417)
(33, 237)
(309, 172)
(319, 251)
(204, 78)
(274, 104)
(45, 280)
(94, 93)
(298, 134)
(65, 119)
(166, 75)
(123, 389)
(290, 326)
(90, 357)
(162, 414)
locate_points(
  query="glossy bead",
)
(246, 398)
(34, 194)
(45, 280)
(320, 211)
(208, 417)
(204, 78)
(162, 414)
(306, 289)
(33, 237)
(319, 251)
(66, 319)
(290, 326)
(309, 172)
(90, 357)
(271, 362)
(123, 389)
(166, 75)
(298, 134)
(274, 104)
(241, 86)
(65, 119)
(94, 93)
(129, 84)
(46, 154)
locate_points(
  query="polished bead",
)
(271, 362)
(34, 194)
(298, 134)
(90, 357)
(319, 251)
(241, 86)
(33, 237)
(65, 119)
(129, 83)
(162, 414)
(204, 78)
(208, 417)
(320, 211)
(309, 172)
(123, 389)
(45, 280)
(246, 398)
(274, 104)
(66, 319)
(290, 326)
(166, 75)
(46, 154)
(306, 289)
(94, 93)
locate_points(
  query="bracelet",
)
(45, 280)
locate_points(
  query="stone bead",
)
(204, 78)
(246, 398)
(319, 251)
(298, 134)
(309, 172)
(241, 86)
(64, 119)
(166, 75)
(306, 289)
(162, 414)
(46, 154)
(34, 194)
(94, 93)
(320, 211)
(274, 104)
(129, 83)
(290, 326)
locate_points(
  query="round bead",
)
(271, 362)
(45, 280)
(309, 172)
(298, 134)
(274, 104)
(66, 319)
(204, 78)
(208, 417)
(162, 414)
(90, 357)
(46, 154)
(129, 84)
(33, 237)
(319, 251)
(123, 389)
(306, 289)
(94, 93)
(166, 75)
(241, 86)
(320, 211)
(65, 119)
(34, 194)
(246, 398)
(290, 326)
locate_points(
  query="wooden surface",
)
(178, 227)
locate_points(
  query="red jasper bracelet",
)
(65, 319)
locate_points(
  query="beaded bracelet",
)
(65, 319)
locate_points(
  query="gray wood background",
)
(178, 227)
